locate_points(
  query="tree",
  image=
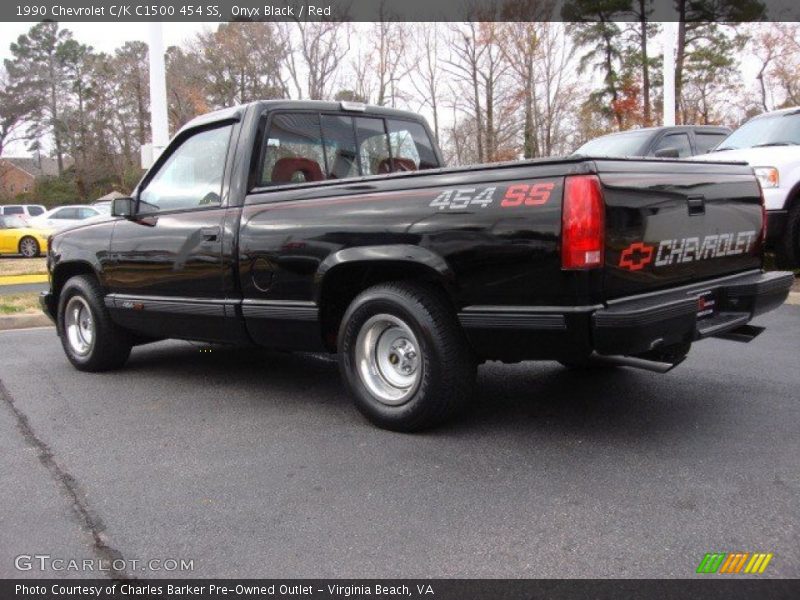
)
(703, 24)
(241, 62)
(596, 30)
(14, 109)
(389, 41)
(131, 65)
(464, 64)
(777, 48)
(556, 91)
(482, 88)
(78, 61)
(426, 64)
(638, 57)
(314, 51)
(38, 71)
(519, 44)
(186, 97)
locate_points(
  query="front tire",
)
(404, 358)
(29, 247)
(91, 340)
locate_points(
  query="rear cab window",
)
(301, 147)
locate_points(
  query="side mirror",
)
(667, 153)
(123, 207)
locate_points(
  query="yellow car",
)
(17, 238)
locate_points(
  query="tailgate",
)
(677, 222)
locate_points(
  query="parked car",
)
(67, 216)
(680, 141)
(770, 143)
(318, 226)
(24, 211)
(103, 206)
(16, 237)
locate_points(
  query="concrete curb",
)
(17, 279)
(24, 321)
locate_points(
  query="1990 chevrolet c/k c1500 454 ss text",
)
(332, 227)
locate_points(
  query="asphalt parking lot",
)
(255, 464)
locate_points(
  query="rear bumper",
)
(638, 325)
(627, 326)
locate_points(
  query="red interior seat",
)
(285, 168)
(400, 164)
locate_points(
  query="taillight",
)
(582, 223)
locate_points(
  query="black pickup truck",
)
(332, 227)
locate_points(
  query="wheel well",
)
(793, 199)
(343, 283)
(65, 271)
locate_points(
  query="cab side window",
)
(341, 155)
(305, 147)
(680, 141)
(373, 146)
(292, 151)
(410, 145)
(707, 141)
(65, 213)
(191, 177)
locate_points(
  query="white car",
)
(62, 217)
(770, 143)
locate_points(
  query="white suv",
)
(23, 211)
(770, 143)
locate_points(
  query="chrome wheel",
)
(79, 325)
(388, 359)
(28, 247)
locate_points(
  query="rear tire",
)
(787, 248)
(404, 357)
(29, 247)
(91, 340)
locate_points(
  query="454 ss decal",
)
(517, 194)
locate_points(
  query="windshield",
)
(774, 130)
(621, 144)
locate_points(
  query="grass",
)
(23, 266)
(20, 304)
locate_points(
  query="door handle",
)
(210, 234)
